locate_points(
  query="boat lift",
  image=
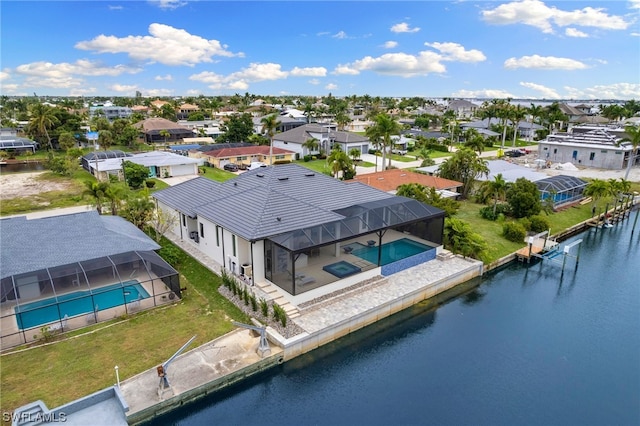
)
(263, 347)
(566, 252)
(164, 384)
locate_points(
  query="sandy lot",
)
(16, 185)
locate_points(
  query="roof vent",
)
(309, 174)
(260, 175)
(283, 178)
(279, 219)
(235, 183)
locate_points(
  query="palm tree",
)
(354, 153)
(338, 161)
(535, 111)
(474, 140)
(517, 114)
(633, 136)
(42, 119)
(597, 189)
(105, 139)
(498, 187)
(165, 134)
(269, 125)
(311, 145)
(97, 191)
(381, 131)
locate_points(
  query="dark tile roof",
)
(250, 205)
(30, 245)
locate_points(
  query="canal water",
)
(529, 345)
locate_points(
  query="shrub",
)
(254, 302)
(279, 314)
(150, 183)
(306, 158)
(487, 212)
(245, 296)
(514, 231)
(264, 308)
(539, 224)
(172, 255)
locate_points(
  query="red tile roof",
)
(390, 180)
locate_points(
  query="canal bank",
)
(525, 345)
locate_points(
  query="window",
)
(217, 236)
(592, 156)
(555, 150)
(279, 157)
(201, 230)
(545, 148)
(184, 220)
(233, 244)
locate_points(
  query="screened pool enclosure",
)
(65, 272)
(81, 293)
(563, 189)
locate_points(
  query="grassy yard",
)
(69, 369)
(219, 175)
(319, 166)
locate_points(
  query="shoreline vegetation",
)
(82, 361)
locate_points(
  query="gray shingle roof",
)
(301, 134)
(30, 245)
(250, 205)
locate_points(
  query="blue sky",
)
(522, 49)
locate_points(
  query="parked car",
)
(230, 167)
(256, 165)
(514, 153)
(399, 151)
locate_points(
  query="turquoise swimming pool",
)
(45, 311)
(391, 252)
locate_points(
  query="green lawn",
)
(319, 166)
(69, 369)
(219, 175)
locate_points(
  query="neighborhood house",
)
(301, 230)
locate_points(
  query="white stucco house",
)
(301, 230)
(326, 136)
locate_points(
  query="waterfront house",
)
(161, 130)
(301, 230)
(61, 272)
(602, 148)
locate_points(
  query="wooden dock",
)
(526, 253)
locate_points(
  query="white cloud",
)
(156, 92)
(404, 28)
(309, 72)
(401, 64)
(123, 88)
(83, 91)
(114, 7)
(167, 77)
(4, 75)
(80, 67)
(544, 62)
(573, 32)
(345, 70)
(166, 45)
(390, 44)
(168, 4)
(634, 4)
(62, 82)
(340, 35)
(457, 52)
(10, 88)
(256, 72)
(634, 34)
(484, 93)
(546, 92)
(535, 13)
(610, 91)
(331, 86)
(314, 81)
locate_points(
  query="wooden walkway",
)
(525, 253)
